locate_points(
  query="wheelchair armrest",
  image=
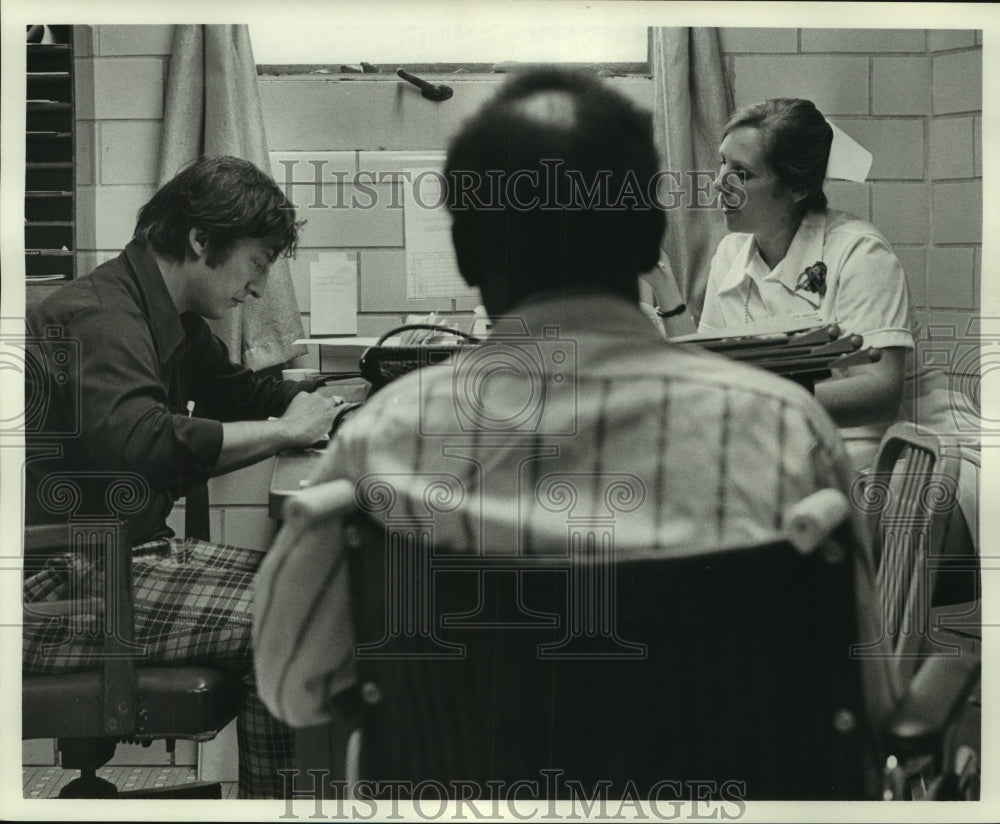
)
(936, 695)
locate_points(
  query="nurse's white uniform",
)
(865, 294)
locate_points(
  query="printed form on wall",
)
(333, 294)
(431, 266)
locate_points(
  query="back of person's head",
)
(227, 199)
(549, 187)
(797, 142)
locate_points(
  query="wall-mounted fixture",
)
(432, 91)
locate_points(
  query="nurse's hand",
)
(663, 283)
(668, 299)
(652, 317)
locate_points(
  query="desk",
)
(290, 469)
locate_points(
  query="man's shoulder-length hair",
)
(226, 198)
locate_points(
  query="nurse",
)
(791, 257)
(790, 261)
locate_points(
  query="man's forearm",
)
(307, 419)
(247, 442)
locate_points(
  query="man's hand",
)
(309, 418)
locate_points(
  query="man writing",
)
(162, 400)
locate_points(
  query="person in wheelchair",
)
(546, 191)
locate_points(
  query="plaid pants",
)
(193, 603)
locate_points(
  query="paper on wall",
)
(431, 265)
(333, 294)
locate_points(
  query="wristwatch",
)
(672, 313)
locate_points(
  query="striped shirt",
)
(715, 450)
(591, 417)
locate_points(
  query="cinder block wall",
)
(120, 75)
(913, 98)
(322, 129)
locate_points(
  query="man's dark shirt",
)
(120, 403)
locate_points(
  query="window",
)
(447, 45)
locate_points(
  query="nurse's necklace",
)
(746, 304)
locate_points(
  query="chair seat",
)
(191, 702)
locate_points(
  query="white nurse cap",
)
(849, 160)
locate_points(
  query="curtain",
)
(213, 108)
(692, 105)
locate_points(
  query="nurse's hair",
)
(797, 142)
(226, 198)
